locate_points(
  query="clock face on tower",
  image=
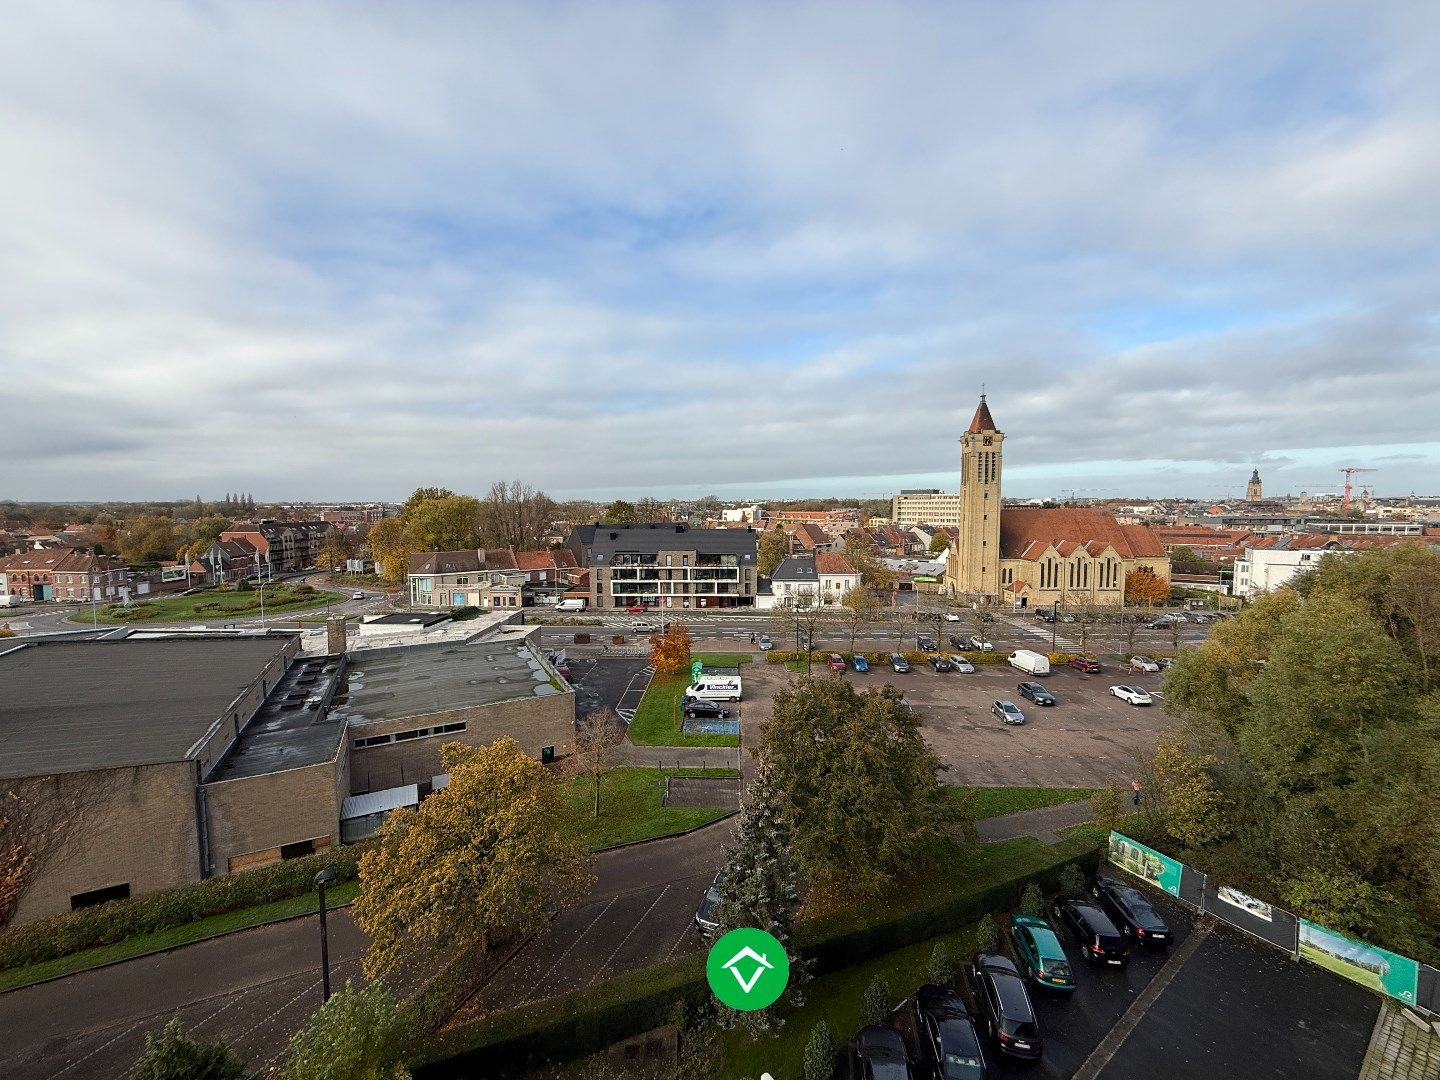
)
(987, 441)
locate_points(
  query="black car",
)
(1099, 941)
(1131, 912)
(705, 913)
(1004, 1005)
(947, 1036)
(882, 1056)
(1036, 693)
(694, 706)
(925, 644)
(939, 663)
(960, 643)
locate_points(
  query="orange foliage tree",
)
(1145, 587)
(670, 651)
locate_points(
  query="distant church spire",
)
(1253, 488)
(983, 421)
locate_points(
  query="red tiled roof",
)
(534, 560)
(811, 535)
(1027, 531)
(832, 562)
(983, 420)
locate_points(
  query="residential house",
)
(64, 574)
(486, 578)
(802, 580)
(285, 547)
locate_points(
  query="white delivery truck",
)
(716, 688)
(570, 605)
(1032, 663)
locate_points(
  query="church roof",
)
(983, 421)
(1026, 531)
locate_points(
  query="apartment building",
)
(284, 547)
(925, 506)
(665, 565)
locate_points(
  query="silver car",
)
(1008, 711)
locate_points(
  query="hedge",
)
(105, 924)
(586, 1021)
(783, 656)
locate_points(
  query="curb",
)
(668, 836)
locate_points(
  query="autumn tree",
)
(480, 863)
(1181, 792)
(619, 512)
(598, 739)
(861, 605)
(1144, 586)
(940, 542)
(147, 539)
(450, 524)
(853, 773)
(391, 547)
(670, 651)
(515, 515)
(773, 549)
(358, 1034)
(174, 1055)
(1108, 805)
(425, 494)
(335, 550)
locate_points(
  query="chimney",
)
(335, 634)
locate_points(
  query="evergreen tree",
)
(173, 1055)
(875, 1005)
(760, 887)
(820, 1053)
(1033, 901)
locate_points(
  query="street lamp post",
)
(323, 879)
(1054, 621)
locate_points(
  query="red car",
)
(635, 609)
(1086, 664)
(836, 663)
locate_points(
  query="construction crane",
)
(1345, 502)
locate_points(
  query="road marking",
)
(627, 937)
(578, 938)
(102, 1046)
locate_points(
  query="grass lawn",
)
(657, 720)
(198, 930)
(211, 606)
(630, 806)
(834, 998)
(995, 801)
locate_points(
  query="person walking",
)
(1135, 792)
(752, 637)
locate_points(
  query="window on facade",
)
(297, 850)
(99, 896)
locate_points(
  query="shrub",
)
(939, 968)
(173, 1055)
(1108, 805)
(461, 614)
(820, 1053)
(1072, 882)
(105, 924)
(987, 934)
(875, 1005)
(1032, 901)
(356, 1035)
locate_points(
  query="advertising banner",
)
(1135, 858)
(172, 573)
(1253, 915)
(1368, 965)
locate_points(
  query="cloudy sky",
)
(336, 251)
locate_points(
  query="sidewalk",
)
(679, 757)
(1402, 1047)
(1044, 823)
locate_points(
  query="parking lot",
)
(1087, 737)
(1230, 1006)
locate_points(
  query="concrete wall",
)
(252, 816)
(132, 825)
(532, 722)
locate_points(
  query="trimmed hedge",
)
(105, 924)
(784, 656)
(586, 1021)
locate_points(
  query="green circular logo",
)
(747, 969)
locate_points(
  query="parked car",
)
(635, 609)
(880, 1052)
(925, 644)
(1130, 911)
(1131, 694)
(1045, 616)
(836, 663)
(859, 663)
(765, 643)
(640, 626)
(1087, 664)
(899, 664)
(705, 913)
(710, 710)
(1036, 693)
(356, 596)
(957, 642)
(1143, 663)
(1099, 941)
(1005, 1006)
(563, 670)
(804, 642)
(1166, 662)
(952, 616)
(1041, 953)
(1008, 711)
(939, 663)
(978, 642)
(949, 1043)
(963, 666)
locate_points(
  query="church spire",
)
(983, 421)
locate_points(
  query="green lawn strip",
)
(997, 801)
(630, 805)
(835, 998)
(191, 932)
(657, 720)
(232, 605)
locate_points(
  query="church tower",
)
(975, 561)
(1252, 489)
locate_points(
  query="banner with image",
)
(1144, 862)
(1368, 965)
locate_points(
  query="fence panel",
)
(1368, 965)
(1265, 921)
(1144, 862)
(1427, 989)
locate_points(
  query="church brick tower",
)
(1252, 489)
(975, 561)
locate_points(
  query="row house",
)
(285, 547)
(230, 560)
(483, 578)
(807, 581)
(65, 574)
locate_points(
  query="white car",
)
(951, 616)
(1143, 663)
(357, 596)
(980, 643)
(1132, 694)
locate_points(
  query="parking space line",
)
(102, 1046)
(609, 959)
(578, 938)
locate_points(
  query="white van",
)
(1032, 663)
(570, 605)
(716, 688)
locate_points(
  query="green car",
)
(1040, 953)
